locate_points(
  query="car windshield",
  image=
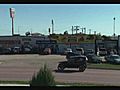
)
(102, 49)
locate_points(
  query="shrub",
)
(43, 78)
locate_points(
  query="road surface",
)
(22, 67)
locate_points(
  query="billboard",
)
(12, 12)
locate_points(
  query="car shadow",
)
(66, 71)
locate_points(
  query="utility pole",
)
(76, 29)
(114, 27)
(95, 32)
(89, 31)
(52, 26)
(72, 29)
(49, 30)
(84, 30)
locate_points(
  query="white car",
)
(68, 50)
(16, 49)
(27, 49)
(102, 51)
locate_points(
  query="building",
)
(38, 43)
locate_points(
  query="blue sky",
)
(37, 18)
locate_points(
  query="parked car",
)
(113, 59)
(102, 51)
(16, 50)
(5, 50)
(67, 50)
(47, 51)
(27, 50)
(92, 58)
(80, 50)
(89, 51)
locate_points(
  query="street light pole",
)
(12, 26)
(114, 27)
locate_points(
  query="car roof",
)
(115, 55)
(16, 47)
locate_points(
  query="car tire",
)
(60, 67)
(82, 68)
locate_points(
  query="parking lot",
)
(22, 68)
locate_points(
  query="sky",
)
(37, 18)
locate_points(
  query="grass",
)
(14, 82)
(80, 84)
(57, 83)
(104, 66)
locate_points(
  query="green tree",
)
(43, 78)
(66, 33)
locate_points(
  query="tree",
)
(105, 37)
(27, 33)
(66, 33)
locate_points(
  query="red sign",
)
(12, 12)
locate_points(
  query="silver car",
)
(113, 59)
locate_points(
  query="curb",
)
(14, 85)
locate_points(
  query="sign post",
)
(12, 13)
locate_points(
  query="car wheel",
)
(60, 67)
(82, 68)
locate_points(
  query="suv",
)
(77, 61)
